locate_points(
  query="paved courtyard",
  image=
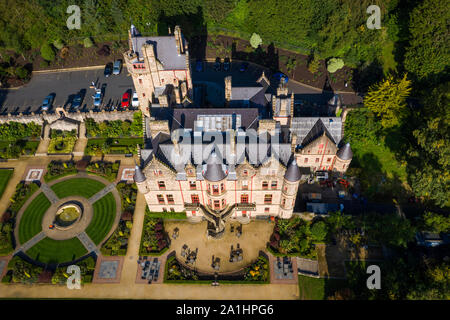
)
(254, 238)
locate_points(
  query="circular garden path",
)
(101, 205)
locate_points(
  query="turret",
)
(215, 179)
(290, 187)
(140, 180)
(343, 158)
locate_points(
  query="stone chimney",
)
(157, 126)
(282, 89)
(228, 89)
(178, 40)
(293, 142)
(267, 126)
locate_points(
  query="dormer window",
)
(161, 185)
(245, 173)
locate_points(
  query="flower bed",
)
(118, 242)
(294, 237)
(7, 222)
(58, 169)
(87, 268)
(62, 141)
(107, 170)
(155, 240)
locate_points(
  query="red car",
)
(126, 100)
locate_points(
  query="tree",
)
(217, 10)
(314, 64)
(255, 40)
(334, 64)
(387, 100)
(435, 222)
(47, 52)
(428, 54)
(319, 231)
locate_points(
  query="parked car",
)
(125, 100)
(117, 67)
(135, 100)
(217, 65)
(108, 69)
(199, 66)
(243, 67)
(77, 101)
(47, 103)
(98, 98)
(226, 64)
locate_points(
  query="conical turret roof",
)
(293, 172)
(214, 170)
(138, 174)
(345, 152)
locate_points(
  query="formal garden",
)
(22, 193)
(62, 141)
(114, 137)
(257, 272)
(155, 240)
(104, 169)
(297, 237)
(58, 169)
(17, 139)
(117, 244)
(21, 271)
(68, 248)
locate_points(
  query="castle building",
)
(243, 161)
(160, 69)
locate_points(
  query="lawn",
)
(103, 219)
(318, 288)
(5, 175)
(57, 251)
(83, 187)
(380, 173)
(30, 223)
(99, 146)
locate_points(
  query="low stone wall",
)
(41, 118)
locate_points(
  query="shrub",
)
(255, 40)
(87, 42)
(22, 73)
(314, 64)
(47, 52)
(58, 44)
(334, 64)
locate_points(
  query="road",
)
(65, 84)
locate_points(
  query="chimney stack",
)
(228, 89)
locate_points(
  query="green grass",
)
(103, 219)
(30, 223)
(97, 146)
(318, 288)
(83, 187)
(57, 251)
(5, 175)
(388, 58)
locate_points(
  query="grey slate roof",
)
(214, 171)
(345, 152)
(138, 175)
(293, 173)
(165, 51)
(302, 128)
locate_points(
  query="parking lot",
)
(64, 86)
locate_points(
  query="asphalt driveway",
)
(64, 85)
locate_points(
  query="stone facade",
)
(160, 69)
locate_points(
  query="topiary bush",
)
(58, 44)
(87, 42)
(47, 52)
(334, 64)
(255, 40)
